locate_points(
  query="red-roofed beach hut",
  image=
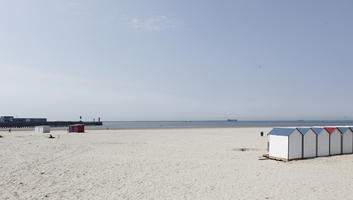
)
(335, 140)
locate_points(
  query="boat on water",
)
(232, 120)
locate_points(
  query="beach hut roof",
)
(330, 129)
(342, 129)
(317, 130)
(282, 131)
(303, 130)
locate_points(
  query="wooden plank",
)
(275, 158)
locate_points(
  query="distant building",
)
(13, 119)
(6, 118)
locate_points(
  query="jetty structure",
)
(12, 122)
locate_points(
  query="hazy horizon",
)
(176, 60)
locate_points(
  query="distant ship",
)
(232, 120)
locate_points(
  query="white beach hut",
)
(351, 129)
(309, 142)
(42, 129)
(323, 141)
(347, 139)
(335, 140)
(285, 143)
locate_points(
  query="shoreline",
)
(137, 128)
(144, 128)
(88, 128)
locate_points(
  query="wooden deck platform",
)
(278, 159)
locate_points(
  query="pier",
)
(46, 123)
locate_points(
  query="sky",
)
(177, 60)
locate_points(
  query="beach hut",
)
(347, 139)
(309, 142)
(285, 144)
(323, 141)
(77, 128)
(335, 140)
(351, 129)
(42, 129)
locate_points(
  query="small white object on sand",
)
(42, 129)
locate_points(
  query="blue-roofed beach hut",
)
(309, 142)
(285, 143)
(347, 139)
(323, 141)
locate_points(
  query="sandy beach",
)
(162, 164)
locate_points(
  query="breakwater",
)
(52, 124)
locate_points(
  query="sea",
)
(218, 124)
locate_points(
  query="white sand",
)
(162, 164)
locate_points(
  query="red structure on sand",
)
(77, 128)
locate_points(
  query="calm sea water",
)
(206, 124)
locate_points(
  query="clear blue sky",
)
(177, 60)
